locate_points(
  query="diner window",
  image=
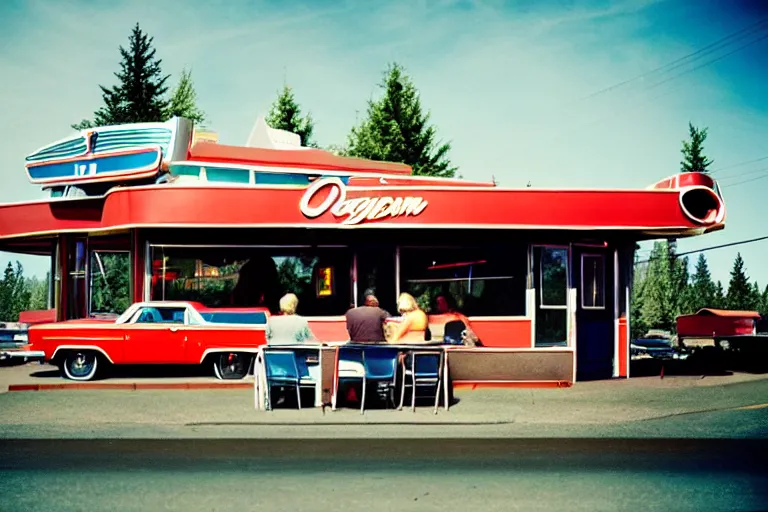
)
(551, 282)
(254, 277)
(222, 175)
(483, 281)
(592, 281)
(185, 170)
(110, 286)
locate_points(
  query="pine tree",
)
(658, 301)
(693, 157)
(396, 129)
(755, 297)
(681, 292)
(739, 290)
(763, 309)
(637, 324)
(719, 302)
(703, 290)
(285, 114)
(183, 102)
(139, 95)
(7, 291)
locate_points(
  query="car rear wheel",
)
(231, 365)
(80, 365)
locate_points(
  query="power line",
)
(721, 246)
(750, 180)
(721, 57)
(739, 164)
(742, 174)
(653, 86)
(701, 52)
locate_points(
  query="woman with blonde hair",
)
(288, 328)
(414, 323)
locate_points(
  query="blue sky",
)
(503, 81)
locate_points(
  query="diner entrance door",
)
(595, 322)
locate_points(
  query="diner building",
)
(149, 212)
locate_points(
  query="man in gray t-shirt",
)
(365, 324)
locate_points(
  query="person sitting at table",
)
(288, 328)
(414, 324)
(365, 324)
(446, 306)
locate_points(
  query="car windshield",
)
(251, 317)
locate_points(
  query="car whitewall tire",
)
(87, 359)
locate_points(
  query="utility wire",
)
(701, 52)
(750, 180)
(739, 164)
(741, 175)
(731, 244)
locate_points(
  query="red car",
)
(155, 333)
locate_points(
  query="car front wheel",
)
(80, 365)
(231, 365)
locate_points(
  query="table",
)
(327, 373)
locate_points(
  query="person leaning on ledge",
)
(288, 328)
(365, 324)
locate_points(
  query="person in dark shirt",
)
(365, 324)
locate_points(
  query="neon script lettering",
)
(358, 209)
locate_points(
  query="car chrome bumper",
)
(27, 355)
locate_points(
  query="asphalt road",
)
(370, 475)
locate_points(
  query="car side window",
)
(160, 316)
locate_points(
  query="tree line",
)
(396, 128)
(19, 293)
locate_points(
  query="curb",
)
(128, 386)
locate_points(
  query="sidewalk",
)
(585, 409)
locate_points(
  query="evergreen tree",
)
(38, 290)
(637, 324)
(7, 291)
(285, 114)
(681, 293)
(739, 291)
(139, 95)
(719, 302)
(763, 309)
(396, 129)
(693, 156)
(755, 297)
(703, 290)
(658, 301)
(14, 295)
(183, 102)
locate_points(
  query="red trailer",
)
(713, 323)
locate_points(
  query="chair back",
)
(380, 363)
(281, 364)
(453, 332)
(427, 364)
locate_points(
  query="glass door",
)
(551, 273)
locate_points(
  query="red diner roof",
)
(301, 158)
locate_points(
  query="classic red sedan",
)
(155, 333)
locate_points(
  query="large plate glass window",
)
(551, 281)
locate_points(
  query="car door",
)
(155, 336)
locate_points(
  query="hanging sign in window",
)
(325, 281)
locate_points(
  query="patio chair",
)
(426, 370)
(350, 367)
(282, 370)
(380, 364)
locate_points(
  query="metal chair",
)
(426, 370)
(349, 367)
(380, 364)
(281, 369)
